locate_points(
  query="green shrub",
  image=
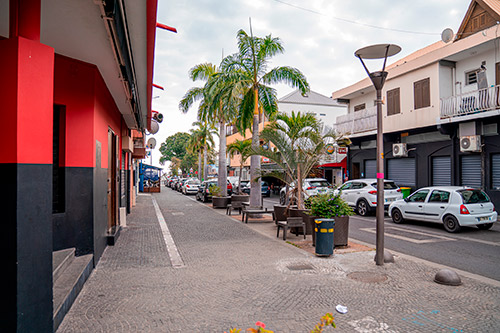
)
(329, 206)
(215, 191)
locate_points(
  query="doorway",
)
(355, 171)
(113, 165)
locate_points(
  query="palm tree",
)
(243, 148)
(195, 146)
(247, 72)
(216, 106)
(203, 138)
(299, 146)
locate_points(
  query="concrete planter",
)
(220, 202)
(240, 198)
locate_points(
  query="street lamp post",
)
(379, 51)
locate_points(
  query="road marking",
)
(173, 253)
(388, 222)
(408, 239)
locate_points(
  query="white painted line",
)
(408, 239)
(173, 253)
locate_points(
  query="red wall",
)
(27, 69)
(106, 116)
(90, 110)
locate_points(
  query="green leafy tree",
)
(174, 146)
(247, 76)
(243, 149)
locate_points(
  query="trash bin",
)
(324, 229)
(406, 191)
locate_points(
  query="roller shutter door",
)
(370, 168)
(401, 171)
(441, 171)
(470, 170)
(495, 171)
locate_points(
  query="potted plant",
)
(218, 201)
(331, 212)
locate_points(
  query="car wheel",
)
(282, 198)
(486, 226)
(451, 224)
(397, 216)
(362, 207)
(205, 198)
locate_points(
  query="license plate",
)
(390, 200)
(484, 218)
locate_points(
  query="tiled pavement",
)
(236, 274)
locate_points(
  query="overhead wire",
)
(355, 22)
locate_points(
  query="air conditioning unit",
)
(399, 150)
(470, 143)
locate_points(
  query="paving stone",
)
(234, 276)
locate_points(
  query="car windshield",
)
(194, 182)
(387, 185)
(473, 196)
(319, 183)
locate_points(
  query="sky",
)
(319, 37)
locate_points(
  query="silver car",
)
(191, 186)
(311, 187)
(454, 206)
(362, 194)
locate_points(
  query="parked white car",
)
(311, 187)
(190, 186)
(454, 206)
(362, 194)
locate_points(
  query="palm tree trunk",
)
(205, 162)
(255, 188)
(299, 188)
(239, 178)
(199, 164)
(222, 176)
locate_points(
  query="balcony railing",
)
(472, 102)
(357, 122)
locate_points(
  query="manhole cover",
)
(300, 267)
(367, 277)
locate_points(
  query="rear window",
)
(387, 185)
(473, 196)
(319, 183)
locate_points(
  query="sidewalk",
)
(235, 274)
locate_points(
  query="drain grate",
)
(367, 277)
(300, 267)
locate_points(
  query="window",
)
(359, 107)
(393, 102)
(418, 196)
(471, 77)
(439, 196)
(422, 94)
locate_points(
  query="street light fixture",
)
(379, 51)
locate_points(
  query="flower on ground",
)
(260, 324)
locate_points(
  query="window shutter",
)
(417, 93)
(426, 93)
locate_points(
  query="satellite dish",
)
(447, 35)
(152, 143)
(155, 127)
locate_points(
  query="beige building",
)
(441, 111)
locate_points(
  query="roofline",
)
(425, 60)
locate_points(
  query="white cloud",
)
(320, 44)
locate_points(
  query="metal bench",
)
(292, 222)
(260, 210)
